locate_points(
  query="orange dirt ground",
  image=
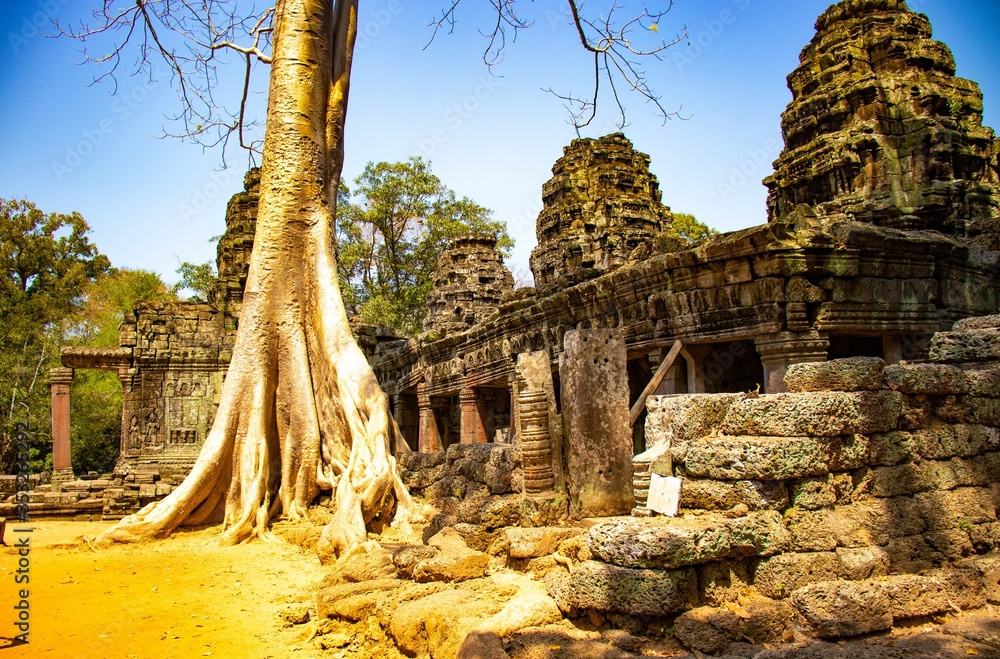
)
(186, 596)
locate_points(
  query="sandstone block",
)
(778, 576)
(677, 420)
(937, 591)
(722, 581)
(863, 562)
(713, 629)
(969, 345)
(773, 458)
(956, 508)
(876, 521)
(603, 587)
(835, 609)
(809, 530)
(927, 379)
(890, 448)
(827, 414)
(853, 374)
(663, 542)
(703, 494)
(812, 493)
(536, 542)
(941, 442)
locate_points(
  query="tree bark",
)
(301, 410)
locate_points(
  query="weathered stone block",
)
(876, 521)
(827, 414)
(809, 530)
(926, 379)
(812, 493)
(863, 562)
(835, 609)
(778, 576)
(773, 458)
(677, 420)
(941, 442)
(853, 374)
(890, 448)
(911, 554)
(536, 542)
(664, 542)
(966, 345)
(956, 508)
(937, 591)
(699, 494)
(597, 430)
(492, 512)
(603, 587)
(712, 630)
(722, 581)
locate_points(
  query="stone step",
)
(771, 458)
(819, 414)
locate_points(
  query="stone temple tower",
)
(602, 209)
(469, 282)
(881, 129)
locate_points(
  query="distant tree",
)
(390, 234)
(199, 278)
(684, 232)
(46, 263)
(96, 399)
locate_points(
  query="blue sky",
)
(154, 202)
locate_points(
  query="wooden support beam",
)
(661, 372)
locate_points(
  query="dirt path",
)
(182, 597)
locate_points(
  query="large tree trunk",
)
(301, 410)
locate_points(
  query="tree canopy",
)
(46, 263)
(390, 234)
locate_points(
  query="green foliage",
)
(46, 262)
(685, 232)
(390, 234)
(95, 420)
(199, 278)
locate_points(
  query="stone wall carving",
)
(469, 283)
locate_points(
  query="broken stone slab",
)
(355, 601)
(454, 561)
(665, 542)
(926, 379)
(823, 414)
(852, 374)
(933, 592)
(736, 458)
(968, 345)
(603, 587)
(713, 629)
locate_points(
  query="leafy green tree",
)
(46, 262)
(390, 234)
(685, 231)
(96, 399)
(199, 278)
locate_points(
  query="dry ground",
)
(182, 597)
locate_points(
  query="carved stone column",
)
(473, 429)
(779, 351)
(536, 442)
(60, 380)
(430, 439)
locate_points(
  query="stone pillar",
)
(779, 351)
(536, 443)
(533, 373)
(694, 356)
(430, 439)
(60, 380)
(473, 429)
(892, 349)
(598, 435)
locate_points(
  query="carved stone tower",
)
(881, 129)
(469, 282)
(602, 209)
